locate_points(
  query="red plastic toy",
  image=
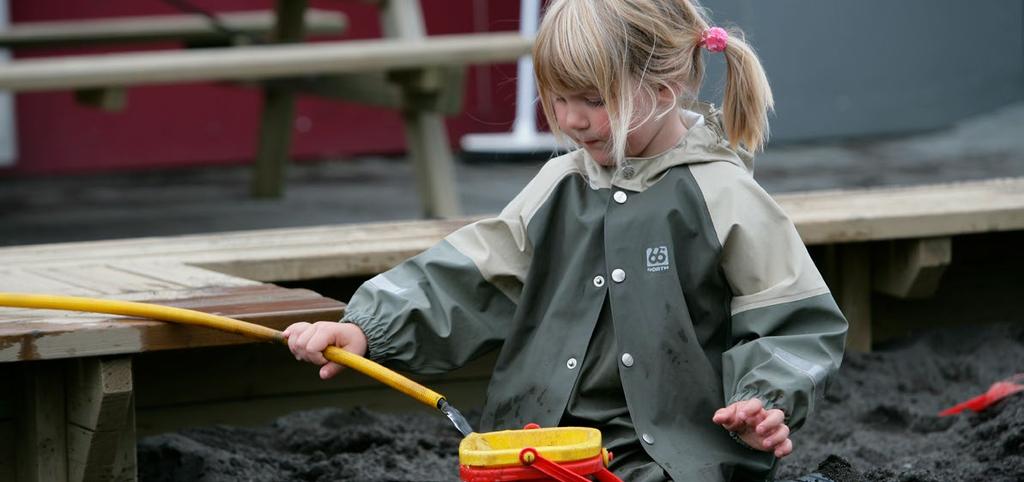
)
(998, 391)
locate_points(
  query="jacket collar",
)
(704, 141)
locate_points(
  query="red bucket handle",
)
(530, 457)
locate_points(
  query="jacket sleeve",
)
(455, 301)
(451, 303)
(787, 333)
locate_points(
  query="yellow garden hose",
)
(223, 323)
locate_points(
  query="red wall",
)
(207, 124)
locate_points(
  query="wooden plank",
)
(9, 317)
(48, 338)
(104, 279)
(120, 279)
(268, 255)
(40, 425)
(300, 266)
(177, 275)
(259, 62)
(26, 280)
(157, 28)
(909, 212)
(910, 268)
(223, 247)
(98, 413)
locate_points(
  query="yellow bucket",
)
(534, 452)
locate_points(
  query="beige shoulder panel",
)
(499, 246)
(763, 257)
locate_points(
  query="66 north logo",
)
(657, 259)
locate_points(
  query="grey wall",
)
(865, 67)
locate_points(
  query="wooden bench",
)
(420, 76)
(75, 407)
(192, 29)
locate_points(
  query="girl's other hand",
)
(761, 429)
(308, 341)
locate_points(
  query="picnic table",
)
(406, 70)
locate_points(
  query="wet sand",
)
(877, 422)
(881, 414)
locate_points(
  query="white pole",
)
(8, 137)
(524, 138)
(526, 115)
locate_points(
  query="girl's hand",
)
(308, 341)
(761, 429)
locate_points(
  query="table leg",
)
(425, 131)
(275, 136)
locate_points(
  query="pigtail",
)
(748, 98)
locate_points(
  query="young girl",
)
(643, 284)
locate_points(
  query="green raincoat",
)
(711, 294)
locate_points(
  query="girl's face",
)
(582, 117)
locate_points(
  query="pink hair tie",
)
(714, 39)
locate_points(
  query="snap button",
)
(618, 275)
(619, 196)
(648, 438)
(628, 171)
(627, 359)
(599, 281)
(570, 363)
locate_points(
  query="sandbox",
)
(878, 422)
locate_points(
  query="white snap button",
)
(648, 438)
(619, 196)
(570, 363)
(627, 359)
(618, 275)
(599, 281)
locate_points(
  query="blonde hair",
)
(626, 50)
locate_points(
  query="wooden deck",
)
(79, 377)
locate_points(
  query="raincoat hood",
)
(704, 141)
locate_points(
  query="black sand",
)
(881, 413)
(878, 422)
